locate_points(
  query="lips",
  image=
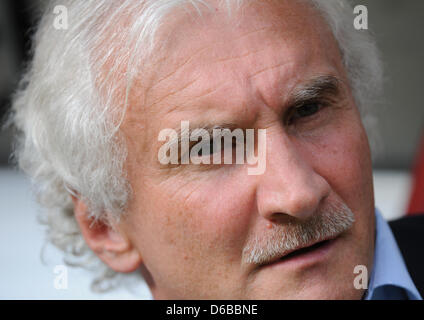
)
(301, 251)
(304, 250)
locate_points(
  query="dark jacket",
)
(409, 234)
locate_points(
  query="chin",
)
(320, 287)
(320, 293)
(332, 294)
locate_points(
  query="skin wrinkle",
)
(243, 55)
(267, 69)
(201, 50)
(196, 53)
(176, 69)
(174, 92)
(163, 58)
(204, 94)
(211, 91)
(217, 61)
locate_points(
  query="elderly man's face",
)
(193, 225)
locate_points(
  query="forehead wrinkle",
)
(180, 66)
(211, 90)
(193, 55)
(240, 56)
(172, 93)
(269, 68)
(199, 52)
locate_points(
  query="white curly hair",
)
(68, 109)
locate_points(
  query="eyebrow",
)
(316, 88)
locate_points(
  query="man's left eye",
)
(305, 110)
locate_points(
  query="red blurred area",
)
(416, 204)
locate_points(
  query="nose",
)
(289, 185)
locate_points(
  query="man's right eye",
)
(304, 111)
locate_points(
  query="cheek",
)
(214, 212)
(343, 158)
(178, 222)
(344, 161)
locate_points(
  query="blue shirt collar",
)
(390, 278)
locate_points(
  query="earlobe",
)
(107, 240)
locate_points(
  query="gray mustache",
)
(331, 220)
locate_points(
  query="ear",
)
(108, 242)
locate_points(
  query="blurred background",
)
(399, 166)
